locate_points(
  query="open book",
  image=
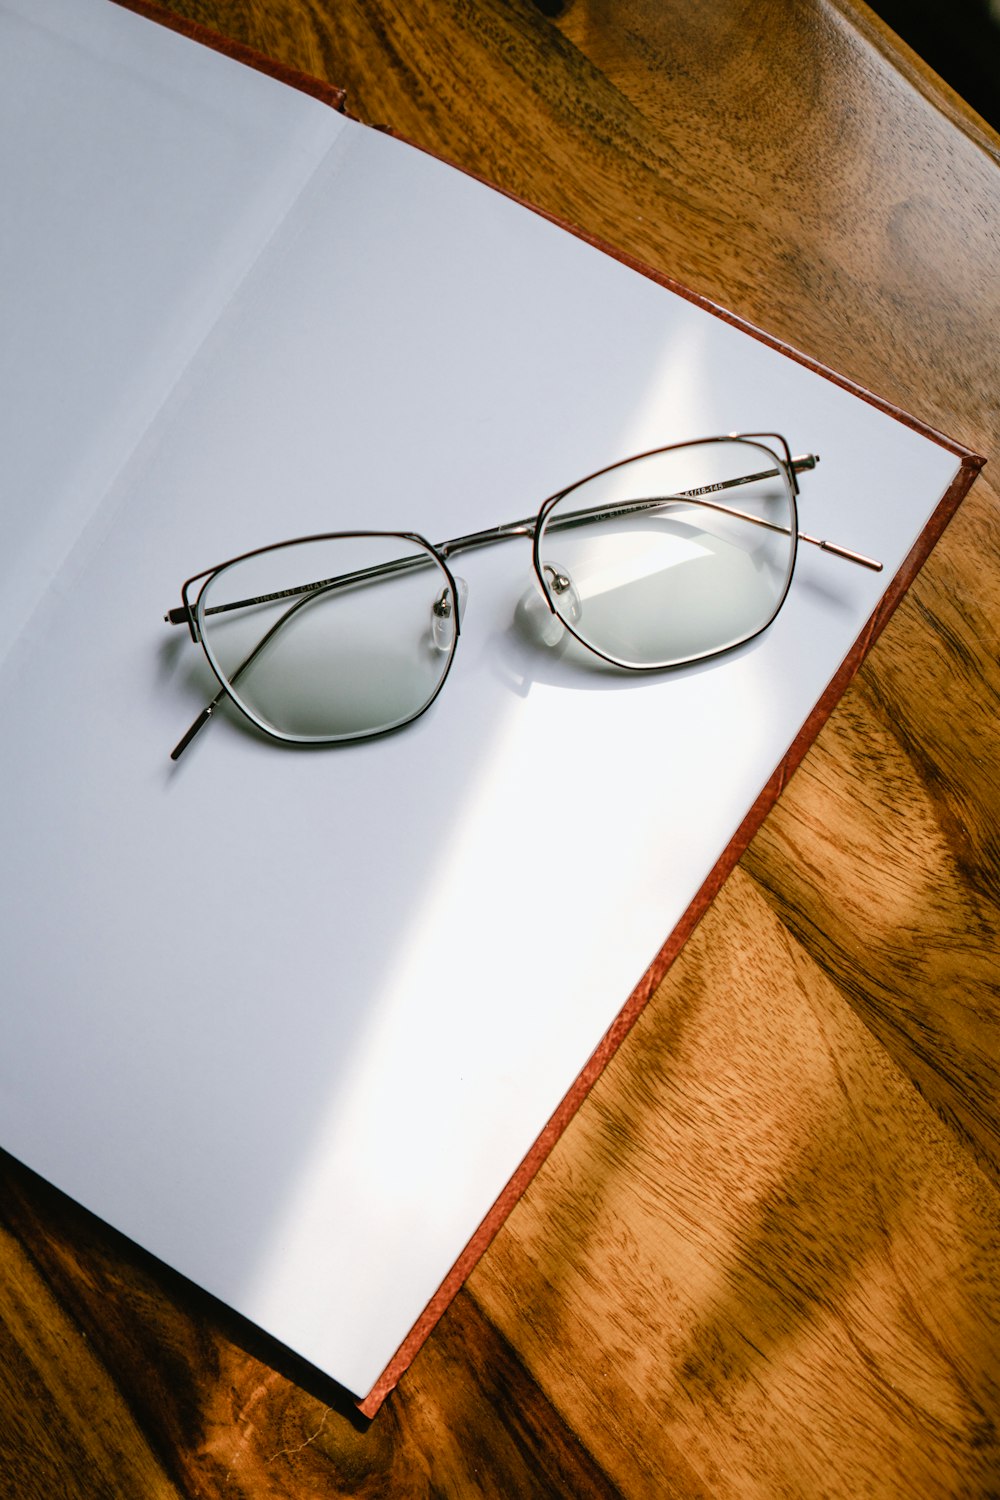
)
(302, 1023)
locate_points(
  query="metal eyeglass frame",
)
(192, 610)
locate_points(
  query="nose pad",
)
(444, 620)
(543, 626)
(563, 593)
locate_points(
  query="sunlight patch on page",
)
(636, 565)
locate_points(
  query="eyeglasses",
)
(646, 563)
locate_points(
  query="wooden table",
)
(763, 1260)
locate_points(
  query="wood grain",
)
(809, 1255)
(763, 1260)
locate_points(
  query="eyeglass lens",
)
(674, 556)
(333, 638)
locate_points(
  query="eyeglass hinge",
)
(183, 616)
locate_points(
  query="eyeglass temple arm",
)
(182, 615)
(209, 709)
(652, 502)
(627, 507)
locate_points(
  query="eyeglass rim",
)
(533, 527)
(196, 627)
(749, 440)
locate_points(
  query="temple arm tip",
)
(186, 739)
(849, 556)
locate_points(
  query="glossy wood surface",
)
(763, 1260)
